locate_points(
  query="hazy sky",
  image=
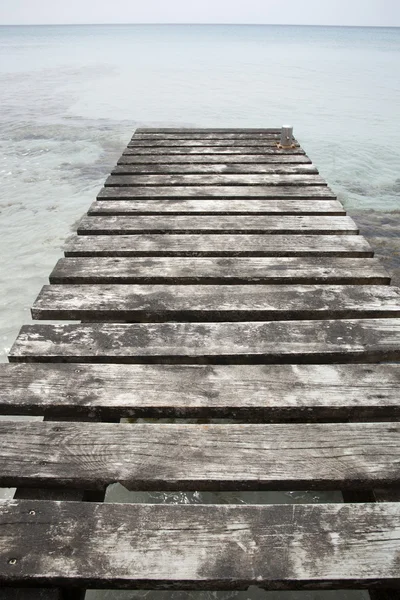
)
(313, 12)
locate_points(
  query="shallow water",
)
(71, 97)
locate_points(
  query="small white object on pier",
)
(286, 136)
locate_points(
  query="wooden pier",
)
(216, 276)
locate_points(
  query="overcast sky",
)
(312, 12)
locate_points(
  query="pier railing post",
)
(286, 136)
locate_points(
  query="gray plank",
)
(218, 245)
(201, 547)
(213, 150)
(197, 270)
(250, 392)
(299, 224)
(214, 180)
(230, 159)
(215, 169)
(31, 594)
(357, 340)
(215, 207)
(183, 135)
(207, 130)
(270, 142)
(217, 191)
(182, 457)
(159, 303)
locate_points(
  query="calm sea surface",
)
(71, 97)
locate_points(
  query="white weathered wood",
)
(223, 224)
(215, 302)
(218, 191)
(249, 160)
(347, 340)
(219, 245)
(182, 457)
(236, 270)
(214, 150)
(201, 547)
(240, 179)
(249, 392)
(223, 168)
(217, 207)
(189, 142)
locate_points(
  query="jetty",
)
(231, 331)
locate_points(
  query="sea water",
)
(71, 97)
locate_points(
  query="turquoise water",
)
(72, 95)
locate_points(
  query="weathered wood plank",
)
(219, 245)
(230, 159)
(213, 150)
(361, 340)
(205, 130)
(218, 179)
(215, 169)
(217, 191)
(267, 142)
(31, 594)
(206, 136)
(201, 547)
(196, 270)
(284, 225)
(159, 303)
(215, 207)
(250, 392)
(182, 457)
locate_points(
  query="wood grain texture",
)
(159, 303)
(271, 224)
(138, 142)
(183, 135)
(215, 169)
(209, 271)
(31, 594)
(240, 179)
(209, 130)
(219, 245)
(217, 191)
(247, 392)
(358, 340)
(182, 457)
(249, 160)
(201, 547)
(214, 150)
(217, 207)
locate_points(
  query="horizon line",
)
(201, 24)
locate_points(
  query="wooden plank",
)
(217, 191)
(159, 303)
(361, 340)
(182, 457)
(213, 150)
(214, 180)
(31, 594)
(251, 392)
(215, 207)
(205, 130)
(215, 169)
(206, 136)
(201, 546)
(299, 224)
(197, 270)
(229, 159)
(219, 245)
(267, 142)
